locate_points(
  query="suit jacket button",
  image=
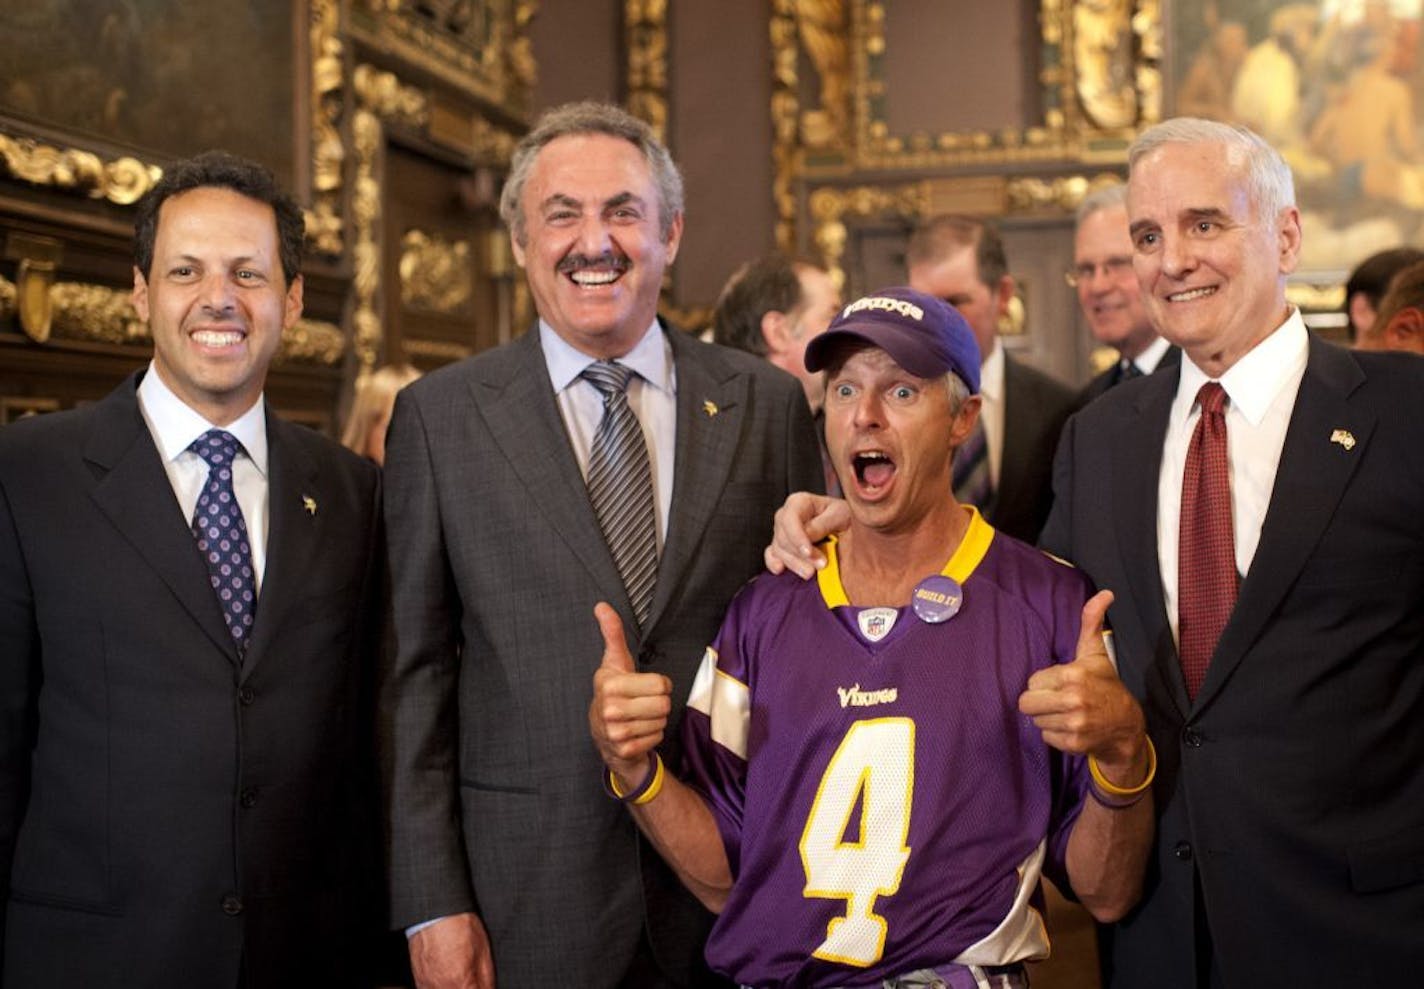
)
(647, 657)
(1183, 851)
(232, 904)
(248, 798)
(1191, 737)
(246, 696)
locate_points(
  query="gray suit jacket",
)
(1290, 792)
(168, 815)
(496, 799)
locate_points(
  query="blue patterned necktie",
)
(620, 485)
(221, 532)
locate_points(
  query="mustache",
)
(578, 262)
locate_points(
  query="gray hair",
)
(590, 117)
(1268, 177)
(1104, 197)
(957, 389)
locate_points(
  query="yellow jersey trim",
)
(966, 559)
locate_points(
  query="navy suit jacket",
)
(170, 816)
(1290, 793)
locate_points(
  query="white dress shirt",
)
(1261, 389)
(991, 411)
(652, 395)
(174, 426)
(1151, 356)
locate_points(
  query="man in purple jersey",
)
(880, 764)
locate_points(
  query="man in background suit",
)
(508, 858)
(1006, 470)
(180, 803)
(1257, 513)
(1109, 294)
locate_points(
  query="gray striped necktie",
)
(620, 485)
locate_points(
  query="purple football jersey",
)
(884, 805)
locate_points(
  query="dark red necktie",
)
(1206, 566)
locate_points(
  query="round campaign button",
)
(937, 599)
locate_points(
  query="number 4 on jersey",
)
(873, 770)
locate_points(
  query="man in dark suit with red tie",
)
(186, 796)
(1258, 514)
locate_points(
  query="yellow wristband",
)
(651, 786)
(1112, 789)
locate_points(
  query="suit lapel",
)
(711, 406)
(133, 490)
(293, 533)
(1137, 465)
(518, 405)
(1310, 480)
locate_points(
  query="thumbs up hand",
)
(1082, 707)
(629, 712)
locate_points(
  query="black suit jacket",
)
(1290, 794)
(1112, 376)
(1035, 408)
(496, 799)
(169, 817)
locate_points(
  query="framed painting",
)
(1337, 87)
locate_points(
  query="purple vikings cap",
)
(926, 336)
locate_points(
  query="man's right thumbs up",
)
(630, 710)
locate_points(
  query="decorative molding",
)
(646, 38)
(436, 275)
(785, 111)
(383, 94)
(368, 141)
(440, 350)
(830, 207)
(1064, 193)
(479, 49)
(325, 226)
(120, 180)
(101, 314)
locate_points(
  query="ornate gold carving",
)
(785, 107)
(481, 49)
(101, 314)
(312, 341)
(435, 274)
(439, 350)
(1062, 193)
(645, 34)
(388, 98)
(1103, 60)
(829, 206)
(96, 313)
(38, 258)
(122, 180)
(368, 142)
(825, 37)
(325, 230)
(8, 297)
(1316, 297)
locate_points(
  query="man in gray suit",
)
(507, 856)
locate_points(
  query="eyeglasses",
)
(1083, 273)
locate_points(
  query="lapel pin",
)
(309, 503)
(710, 407)
(1344, 437)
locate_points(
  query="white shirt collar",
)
(1152, 355)
(1253, 382)
(175, 425)
(991, 373)
(650, 358)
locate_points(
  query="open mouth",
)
(873, 469)
(1191, 295)
(217, 339)
(594, 272)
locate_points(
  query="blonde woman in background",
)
(371, 410)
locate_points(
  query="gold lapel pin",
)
(1344, 437)
(710, 407)
(309, 503)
